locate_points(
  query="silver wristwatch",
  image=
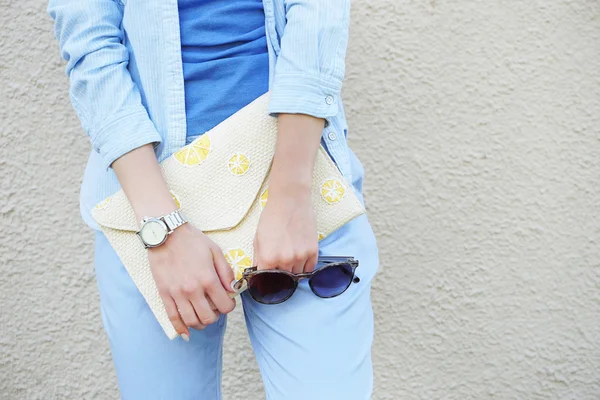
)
(154, 231)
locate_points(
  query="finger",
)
(223, 269)
(212, 305)
(206, 315)
(292, 262)
(217, 295)
(261, 262)
(175, 318)
(298, 265)
(214, 308)
(199, 326)
(311, 262)
(187, 312)
(272, 260)
(269, 263)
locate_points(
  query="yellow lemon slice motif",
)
(103, 204)
(195, 152)
(239, 164)
(176, 199)
(263, 198)
(239, 261)
(320, 236)
(332, 191)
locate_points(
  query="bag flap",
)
(216, 178)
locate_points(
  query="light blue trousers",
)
(307, 348)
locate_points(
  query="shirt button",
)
(331, 135)
(329, 100)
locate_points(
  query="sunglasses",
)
(276, 286)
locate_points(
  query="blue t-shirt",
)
(225, 60)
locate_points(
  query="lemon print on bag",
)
(320, 236)
(332, 191)
(103, 204)
(263, 198)
(238, 164)
(195, 152)
(176, 199)
(239, 261)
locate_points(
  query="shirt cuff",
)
(123, 133)
(305, 94)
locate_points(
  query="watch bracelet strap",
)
(174, 220)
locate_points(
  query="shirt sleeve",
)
(311, 62)
(105, 98)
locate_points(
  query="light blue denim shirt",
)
(127, 88)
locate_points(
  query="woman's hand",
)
(189, 269)
(286, 237)
(191, 274)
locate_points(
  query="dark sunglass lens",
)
(332, 281)
(271, 287)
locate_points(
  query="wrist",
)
(298, 178)
(174, 236)
(297, 146)
(289, 191)
(154, 231)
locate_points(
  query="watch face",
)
(153, 233)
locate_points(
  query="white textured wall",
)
(479, 126)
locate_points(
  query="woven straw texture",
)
(220, 181)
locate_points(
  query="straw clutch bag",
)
(221, 183)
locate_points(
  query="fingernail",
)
(233, 282)
(185, 337)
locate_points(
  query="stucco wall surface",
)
(478, 123)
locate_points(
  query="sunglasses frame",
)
(329, 261)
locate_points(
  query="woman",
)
(146, 78)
